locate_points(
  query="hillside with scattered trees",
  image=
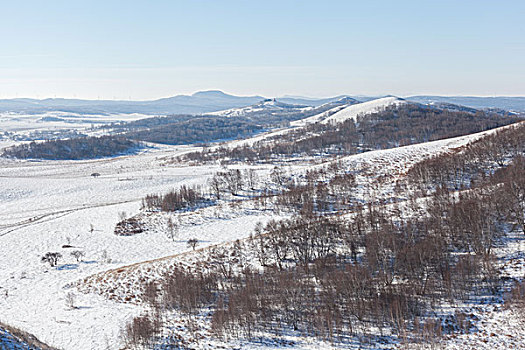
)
(393, 127)
(382, 266)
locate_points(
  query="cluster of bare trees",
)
(177, 199)
(511, 197)
(52, 258)
(325, 190)
(332, 278)
(329, 277)
(515, 299)
(129, 227)
(493, 168)
(184, 291)
(196, 130)
(230, 180)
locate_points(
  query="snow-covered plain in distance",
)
(28, 127)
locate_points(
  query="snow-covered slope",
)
(336, 114)
(351, 112)
(318, 117)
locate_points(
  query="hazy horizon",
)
(261, 95)
(130, 50)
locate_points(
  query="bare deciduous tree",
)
(51, 258)
(192, 242)
(78, 255)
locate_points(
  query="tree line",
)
(196, 130)
(75, 148)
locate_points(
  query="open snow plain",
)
(47, 205)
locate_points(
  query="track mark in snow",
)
(52, 216)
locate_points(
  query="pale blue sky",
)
(151, 49)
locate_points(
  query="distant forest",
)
(393, 127)
(77, 148)
(205, 129)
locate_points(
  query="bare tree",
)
(251, 178)
(173, 229)
(70, 300)
(233, 180)
(278, 176)
(216, 185)
(192, 242)
(78, 254)
(51, 258)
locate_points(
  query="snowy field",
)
(48, 204)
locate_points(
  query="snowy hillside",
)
(342, 113)
(364, 108)
(346, 109)
(74, 201)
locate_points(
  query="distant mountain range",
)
(513, 104)
(214, 100)
(200, 102)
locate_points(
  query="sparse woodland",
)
(380, 269)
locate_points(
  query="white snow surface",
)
(46, 205)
